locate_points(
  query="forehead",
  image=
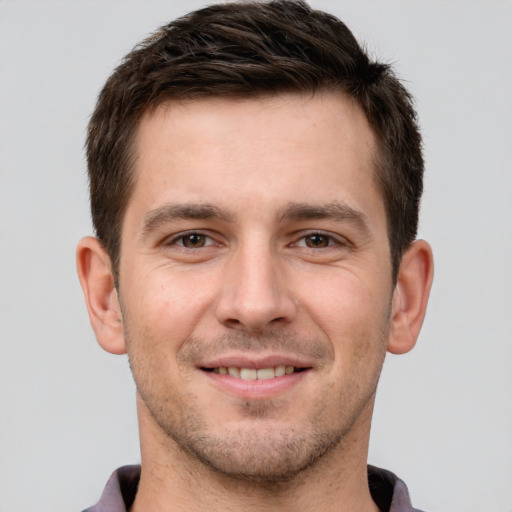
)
(284, 148)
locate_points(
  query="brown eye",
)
(317, 241)
(193, 241)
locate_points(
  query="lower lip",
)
(256, 389)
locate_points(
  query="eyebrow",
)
(171, 212)
(167, 213)
(335, 211)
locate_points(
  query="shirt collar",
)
(387, 490)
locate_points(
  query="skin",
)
(255, 236)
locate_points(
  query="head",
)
(250, 50)
(255, 182)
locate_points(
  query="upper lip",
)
(256, 361)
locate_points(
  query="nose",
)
(255, 293)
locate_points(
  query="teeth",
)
(280, 370)
(253, 374)
(266, 373)
(233, 371)
(248, 374)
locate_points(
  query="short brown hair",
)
(247, 49)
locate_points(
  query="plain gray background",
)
(443, 420)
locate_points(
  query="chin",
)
(268, 457)
(264, 451)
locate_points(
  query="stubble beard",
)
(261, 454)
(262, 451)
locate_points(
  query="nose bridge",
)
(254, 294)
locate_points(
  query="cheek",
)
(156, 322)
(353, 312)
(166, 305)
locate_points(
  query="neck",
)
(173, 478)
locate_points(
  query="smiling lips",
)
(258, 376)
(259, 379)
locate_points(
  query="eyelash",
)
(180, 240)
(329, 239)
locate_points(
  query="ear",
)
(95, 274)
(410, 297)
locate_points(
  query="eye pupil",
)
(316, 241)
(194, 241)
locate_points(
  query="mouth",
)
(256, 376)
(268, 373)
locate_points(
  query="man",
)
(255, 183)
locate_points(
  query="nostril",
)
(233, 322)
(247, 309)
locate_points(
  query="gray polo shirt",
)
(387, 490)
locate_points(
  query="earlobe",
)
(410, 297)
(94, 272)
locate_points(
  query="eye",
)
(193, 240)
(315, 241)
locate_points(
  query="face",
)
(255, 280)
